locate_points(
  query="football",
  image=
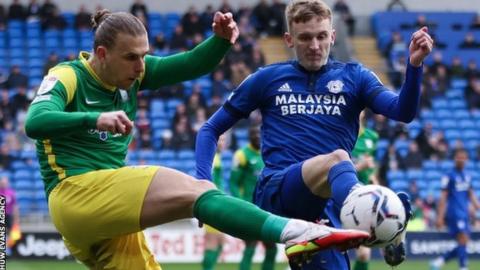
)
(374, 209)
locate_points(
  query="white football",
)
(376, 210)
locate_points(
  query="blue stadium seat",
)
(471, 134)
(22, 174)
(399, 185)
(430, 164)
(440, 103)
(166, 154)
(446, 165)
(161, 123)
(461, 113)
(186, 155)
(146, 154)
(414, 174)
(432, 175)
(466, 124)
(34, 43)
(394, 175)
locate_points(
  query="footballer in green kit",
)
(247, 166)
(82, 118)
(363, 156)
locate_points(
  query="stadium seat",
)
(166, 155)
(414, 174)
(186, 155)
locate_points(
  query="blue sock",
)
(462, 256)
(342, 177)
(452, 253)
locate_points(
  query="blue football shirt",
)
(457, 184)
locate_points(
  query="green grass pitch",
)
(375, 265)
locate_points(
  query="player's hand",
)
(440, 224)
(225, 27)
(421, 45)
(115, 122)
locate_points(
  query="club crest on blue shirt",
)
(335, 87)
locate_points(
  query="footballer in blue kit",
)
(310, 110)
(453, 209)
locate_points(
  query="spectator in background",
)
(437, 62)
(194, 102)
(472, 70)
(469, 42)
(475, 23)
(6, 158)
(220, 86)
(343, 9)
(257, 59)
(52, 61)
(261, 13)
(139, 10)
(199, 120)
(215, 103)
(191, 23)
(277, 18)
(3, 17)
(472, 93)
(183, 137)
(178, 40)
(422, 21)
(226, 7)
(456, 68)
(16, 78)
(413, 159)
(16, 11)
(206, 17)
(47, 10)
(33, 10)
(82, 18)
(19, 100)
(56, 21)
(159, 43)
(239, 71)
(396, 46)
(391, 161)
(396, 5)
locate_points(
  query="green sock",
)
(237, 217)
(269, 261)
(246, 262)
(360, 265)
(210, 258)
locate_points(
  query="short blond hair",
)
(304, 10)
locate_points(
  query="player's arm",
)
(46, 117)
(207, 138)
(236, 175)
(199, 61)
(402, 107)
(442, 202)
(474, 199)
(243, 100)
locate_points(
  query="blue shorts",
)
(285, 194)
(458, 225)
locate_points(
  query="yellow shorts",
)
(210, 229)
(98, 215)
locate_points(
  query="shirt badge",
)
(335, 87)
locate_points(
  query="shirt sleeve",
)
(445, 182)
(206, 141)
(160, 71)
(400, 107)
(248, 95)
(47, 118)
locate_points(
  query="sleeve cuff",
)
(91, 119)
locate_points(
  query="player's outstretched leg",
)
(317, 237)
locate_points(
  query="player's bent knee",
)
(339, 155)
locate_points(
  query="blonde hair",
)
(304, 10)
